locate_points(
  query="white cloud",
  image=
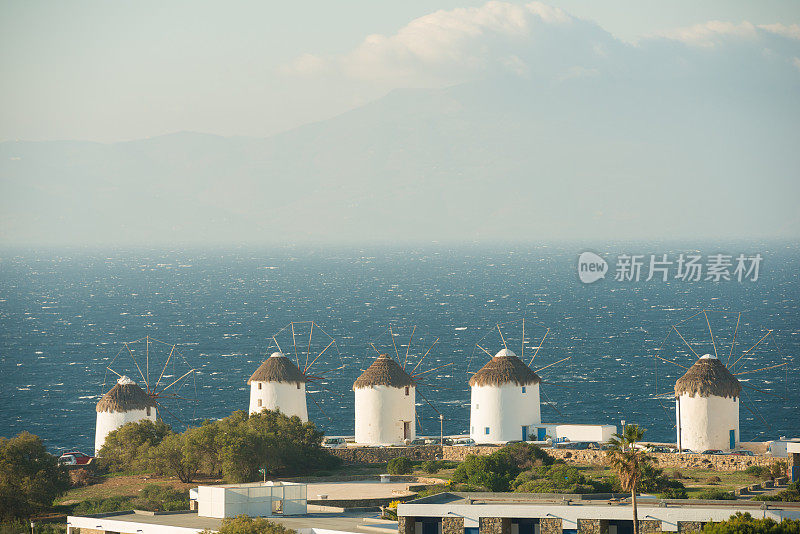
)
(716, 32)
(541, 42)
(450, 46)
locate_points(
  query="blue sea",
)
(64, 316)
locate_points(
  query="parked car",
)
(742, 453)
(660, 448)
(463, 442)
(334, 443)
(438, 441)
(574, 445)
(713, 451)
(75, 458)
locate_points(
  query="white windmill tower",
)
(173, 394)
(707, 406)
(385, 404)
(385, 396)
(280, 381)
(124, 403)
(505, 392)
(709, 393)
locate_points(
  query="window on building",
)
(523, 389)
(259, 402)
(259, 385)
(407, 390)
(486, 430)
(477, 406)
(148, 411)
(298, 385)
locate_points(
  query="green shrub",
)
(494, 472)
(674, 493)
(247, 525)
(524, 455)
(758, 471)
(716, 495)
(744, 523)
(30, 477)
(399, 466)
(431, 467)
(712, 480)
(790, 494)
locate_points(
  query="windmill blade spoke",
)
(325, 413)
(161, 406)
(164, 368)
(408, 348)
(431, 370)
(187, 373)
(552, 364)
(748, 386)
(308, 352)
(756, 412)
(113, 371)
(551, 403)
(426, 354)
(751, 348)
(294, 345)
(394, 344)
(762, 369)
(684, 339)
(137, 366)
(503, 339)
(714, 343)
(429, 402)
(320, 354)
(484, 350)
(734, 339)
(670, 361)
(539, 347)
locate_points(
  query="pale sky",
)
(111, 70)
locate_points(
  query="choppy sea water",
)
(64, 316)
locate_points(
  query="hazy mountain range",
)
(620, 155)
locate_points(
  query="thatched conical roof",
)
(125, 396)
(706, 378)
(384, 371)
(278, 368)
(504, 368)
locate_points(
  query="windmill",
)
(146, 379)
(715, 367)
(505, 391)
(385, 393)
(302, 355)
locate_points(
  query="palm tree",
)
(628, 461)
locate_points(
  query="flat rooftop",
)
(348, 522)
(486, 498)
(360, 489)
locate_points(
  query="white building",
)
(278, 384)
(261, 499)
(707, 407)
(125, 403)
(505, 400)
(385, 398)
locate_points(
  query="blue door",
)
(524, 433)
(541, 434)
(471, 530)
(733, 439)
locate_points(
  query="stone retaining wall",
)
(663, 460)
(380, 455)
(375, 455)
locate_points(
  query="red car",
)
(74, 458)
